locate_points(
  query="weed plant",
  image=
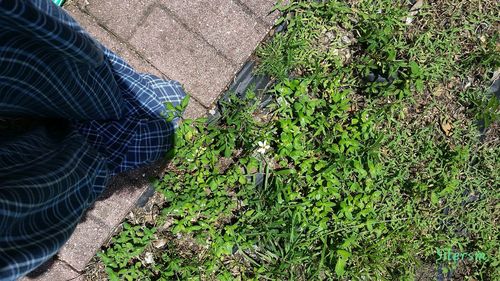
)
(380, 147)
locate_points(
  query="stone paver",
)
(117, 201)
(109, 40)
(183, 56)
(216, 36)
(222, 23)
(200, 43)
(121, 17)
(85, 241)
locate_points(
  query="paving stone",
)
(117, 201)
(262, 8)
(119, 16)
(109, 40)
(53, 270)
(123, 192)
(84, 243)
(224, 24)
(182, 56)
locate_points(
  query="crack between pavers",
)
(98, 220)
(118, 38)
(150, 9)
(71, 267)
(251, 13)
(129, 46)
(196, 33)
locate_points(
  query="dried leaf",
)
(446, 127)
(159, 243)
(439, 90)
(416, 6)
(414, 10)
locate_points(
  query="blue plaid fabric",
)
(80, 114)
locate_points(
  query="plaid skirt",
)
(72, 113)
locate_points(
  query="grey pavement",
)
(200, 43)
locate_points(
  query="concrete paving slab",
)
(119, 16)
(123, 192)
(84, 243)
(183, 56)
(109, 40)
(117, 201)
(262, 9)
(54, 270)
(224, 24)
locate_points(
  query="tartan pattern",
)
(93, 116)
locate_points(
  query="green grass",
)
(340, 177)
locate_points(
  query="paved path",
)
(201, 43)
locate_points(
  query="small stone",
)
(346, 40)
(148, 258)
(159, 243)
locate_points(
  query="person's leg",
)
(142, 135)
(48, 178)
(51, 68)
